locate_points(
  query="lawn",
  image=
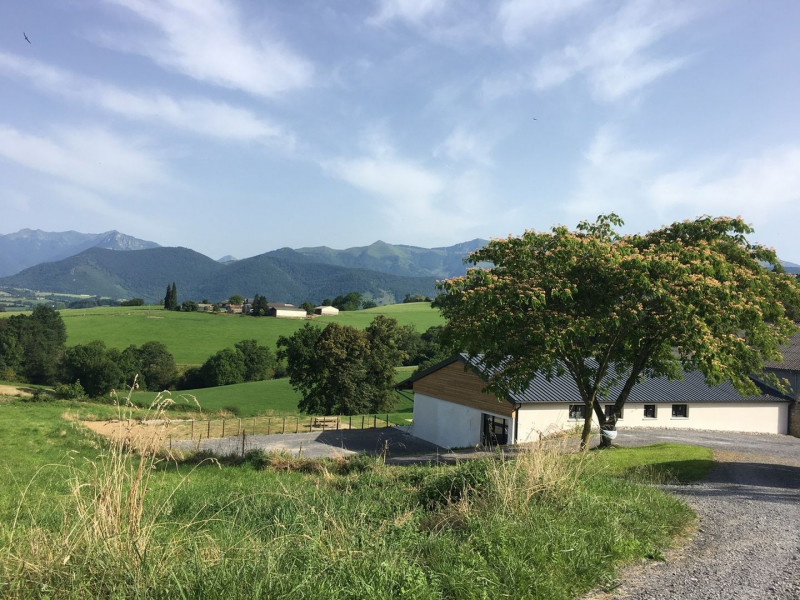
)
(193, 337)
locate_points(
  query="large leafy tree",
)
(94, 366)
(612, 309)
(32, 346)
(341, 369)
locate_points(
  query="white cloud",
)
(518, 17)
(195, 115)
(761, 185)
(417, 200)
(614, 57)
(90, 158)
(412, 11)
(206, 40)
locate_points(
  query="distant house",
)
(452, 410)
(233, 308)
(326, 310)
(285, 311)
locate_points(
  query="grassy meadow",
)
(81, 518)
(193, 337)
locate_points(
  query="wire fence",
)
(199, 430)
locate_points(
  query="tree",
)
(350, 301)
(343, 370)
(189, 306)
(260, 307)
(226, 367)
(93, 366)
(308, 307)
(259, 361)
(613, 309)
(236, 299)
(32, 346)
(171, 298)
(157, 366)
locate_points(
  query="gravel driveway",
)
(747, 545)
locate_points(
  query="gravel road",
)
(747, 545)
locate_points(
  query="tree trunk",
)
(587, 427)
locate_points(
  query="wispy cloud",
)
(434, 204)
(466, 144)
(196, 115)
(207, 40)
(411, 11)
(615, 57)
(90, 158)
(517, 18)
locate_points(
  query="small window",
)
(649, 411)
(577, 411)
(609, 410)
(680, 411)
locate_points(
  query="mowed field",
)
(193, 337)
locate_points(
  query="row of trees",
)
(246, 361)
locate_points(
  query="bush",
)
(70, 391)
(132, 302)
(453, 484)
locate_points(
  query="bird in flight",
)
(26, 37)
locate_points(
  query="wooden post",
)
(239, 427)
(254, 425)
(337, 423)
(350, 421)
(374, 421)
(297, 424)
(269, 423)
(192, 428)
(243, 443)
(223, 427)
(283, 427)
(387, 419)
(208, 433)
(362, 421)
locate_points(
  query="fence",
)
(221, 428)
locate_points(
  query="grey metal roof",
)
(791, 356)
(692, 388)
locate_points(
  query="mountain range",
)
(383, 272)
(29, 247)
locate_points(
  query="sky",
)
(239, 127)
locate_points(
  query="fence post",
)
(223, 427)
(297, 424)
(283, 426)
(337, 423)
(208, 433)
(350, 421)
(192, 428)
(242, 443)
(387, 419)
(239, 427)
(254, 425)
(374, 421)
(362, 421)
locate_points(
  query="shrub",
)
(70, 391)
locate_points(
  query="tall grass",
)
(539, 524)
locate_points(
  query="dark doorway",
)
(494, 431)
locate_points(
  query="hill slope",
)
(284, 276)
(28, 247)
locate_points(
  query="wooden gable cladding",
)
(454, 384)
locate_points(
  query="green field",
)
(193, 337)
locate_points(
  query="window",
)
(680, 411)
(609, 410)
(649, 411)
(577, 411)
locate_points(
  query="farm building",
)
(285, 311)
(789, 370)
(452, 410)
(326, 310)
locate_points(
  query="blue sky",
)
(241, 127)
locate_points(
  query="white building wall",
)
(756, 417)
(448, 424)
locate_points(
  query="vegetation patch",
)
(82, 518)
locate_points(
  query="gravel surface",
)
(747, 545)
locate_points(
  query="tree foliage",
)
(608, 308)
(246, 361)
(171, 298)
(349, 301)
(32, 346)
(93, 366)
(343, 370)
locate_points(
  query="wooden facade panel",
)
(453, 384)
